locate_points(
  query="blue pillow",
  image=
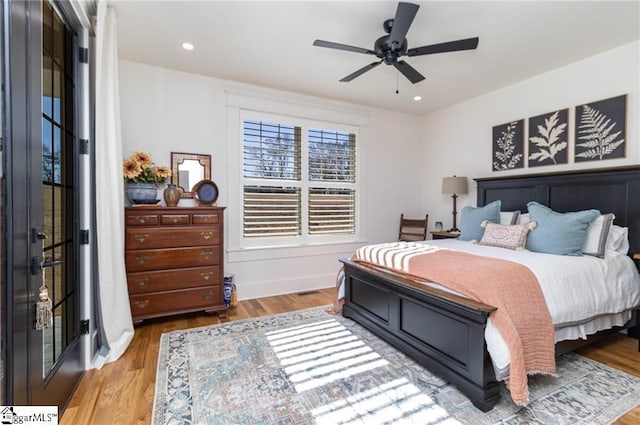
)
(558, 233)
(472, 218)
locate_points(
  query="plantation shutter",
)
(332, 156)
(271, 211)
(331, 211)
(271, 151)
(278, 200)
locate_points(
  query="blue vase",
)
(141, 193)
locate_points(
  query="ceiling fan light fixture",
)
(187, 46)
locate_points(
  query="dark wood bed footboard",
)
(441, 331)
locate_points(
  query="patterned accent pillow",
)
(506, 236)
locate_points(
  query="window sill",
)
(291, 251)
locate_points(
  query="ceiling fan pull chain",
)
(397, 91)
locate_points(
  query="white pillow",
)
(508, 218)
(523, 219)
(618, 240)
(597, 235)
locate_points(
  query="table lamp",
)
(454, 186)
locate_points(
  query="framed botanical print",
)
(601, 129)
(508, 146)
(548, 138)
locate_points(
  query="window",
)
(298, 181)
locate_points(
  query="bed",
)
(453, 345)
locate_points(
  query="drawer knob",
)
(141, 259)
(207, 295)
(206, 254)
(142, 237)
(174, 219)
(206, 235)
(141, 304)
(141, 220)
(142, 281)
(206, 275)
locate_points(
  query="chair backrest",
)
(413, 229)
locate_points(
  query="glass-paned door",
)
(42, 243)
(58, 183)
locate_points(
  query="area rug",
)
(308, 367)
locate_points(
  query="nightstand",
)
(444, 235)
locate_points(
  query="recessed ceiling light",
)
(417, 98)
(187, 46)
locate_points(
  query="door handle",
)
(37, 264)
(51, 263)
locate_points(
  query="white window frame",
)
(241, 107)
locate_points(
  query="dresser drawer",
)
(174, 218)
(173, 258)
(205, 219)
(167, 237)
(142, 219)
(167, 280)
(175, 301)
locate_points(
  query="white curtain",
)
(113, 310)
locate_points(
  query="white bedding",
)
(584, 294)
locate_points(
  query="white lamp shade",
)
(454, 185)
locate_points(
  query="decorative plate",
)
(205, 192)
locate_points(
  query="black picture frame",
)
(548, 140)
(508, 146)
(601, 129)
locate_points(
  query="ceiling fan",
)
(392, 46)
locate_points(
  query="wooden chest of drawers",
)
(174, 260)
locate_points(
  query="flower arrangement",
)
(139, 167)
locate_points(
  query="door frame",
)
(21, 93)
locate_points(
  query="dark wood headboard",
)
(611, 190)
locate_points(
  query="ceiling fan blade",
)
(408, 71)
(449, 46)
(360, 72)
(401, 23)
(331, 45)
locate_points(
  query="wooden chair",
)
(413, 229)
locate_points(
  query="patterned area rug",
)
(308, 367)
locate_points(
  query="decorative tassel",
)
(44, 316)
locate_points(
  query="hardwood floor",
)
(122, 392)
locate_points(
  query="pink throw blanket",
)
(522, 315)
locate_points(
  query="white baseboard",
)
(285, 286)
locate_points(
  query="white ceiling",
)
(269, 43)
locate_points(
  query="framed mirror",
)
(187, 169)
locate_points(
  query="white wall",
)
(406, 156)
(458, 140)
(165, 110)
